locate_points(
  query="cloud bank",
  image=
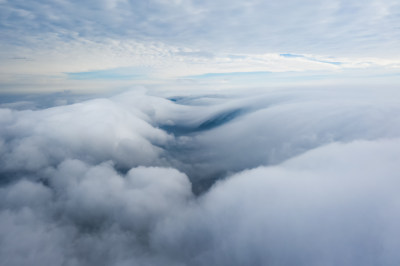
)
(283, 177)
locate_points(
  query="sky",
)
(199, 133)
(90, 46)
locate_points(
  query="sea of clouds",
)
(280, 177)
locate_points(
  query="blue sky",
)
(50, 45)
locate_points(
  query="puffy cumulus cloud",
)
(95, 195)
(335, 205)
(27, 239)
(205, 136)
(288, 177)
(94, 131)
(88, 215)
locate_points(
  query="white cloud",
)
(296, 166)
(302, 176)
(103, 131)
(333, 205)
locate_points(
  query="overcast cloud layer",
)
(298, 177)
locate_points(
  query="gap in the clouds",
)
(201, 177)
(292, 55)
(216, 121)
(201, 186)
(8, 178)
(124, 73)
(231, 74)
(194, 100)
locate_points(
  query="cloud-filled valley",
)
(278, 177)
(182, 132)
